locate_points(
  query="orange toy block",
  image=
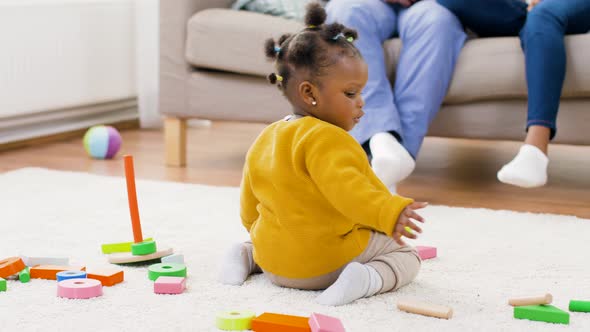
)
(268, 322)
(10, 266)
(50, 271)
(107, 276)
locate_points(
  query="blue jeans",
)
(432, 39)
(541, 34)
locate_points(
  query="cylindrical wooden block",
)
(520, 301)
(426, 309)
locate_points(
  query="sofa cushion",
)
(488, 68)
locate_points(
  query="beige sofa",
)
(212, 66)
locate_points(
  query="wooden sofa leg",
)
(175, 140)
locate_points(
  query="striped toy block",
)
(107, 276)
(268, 322)
(50, 271)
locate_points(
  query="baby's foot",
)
(391, 161)
(528, 169)
(237, 265)
(356, 281)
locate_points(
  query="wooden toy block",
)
(532, 300)
(65, 275)
(127, 257)
(268, 322)
(143, 248)
(166, 269)
(107, 276)
(542, 313)
(579, 306)
(426, 252)
(169, 285)
(31, 261)
(2, 285)
(110, 248)
(234, 320)
(24, 276)
(10, 266)
(50, 271)
(176, 258)
(79, 288)
(323, 323)
(426, 309)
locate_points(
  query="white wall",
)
(147, 37)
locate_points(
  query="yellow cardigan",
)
(310, 199)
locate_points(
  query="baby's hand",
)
(405, 220)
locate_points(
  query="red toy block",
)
(268, 322)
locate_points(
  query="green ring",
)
(234, 320)
(166, 269)
(143, 248)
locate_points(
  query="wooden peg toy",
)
(542, 313)
(520, 301)
(268, 322)
(234, 320)
(107, 276)
(10, 266)
(426, 309)
(323, 323)
(50, 271)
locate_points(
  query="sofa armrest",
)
(174, 70)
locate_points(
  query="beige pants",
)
(396, 265)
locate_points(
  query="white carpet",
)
(485, 257)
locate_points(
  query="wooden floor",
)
(449, 171)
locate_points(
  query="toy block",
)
(107, 276)
(579, 306)
(426, 309)
(110, 248)
(176, 258)
(24, 276)
(542, 313)
(323, 323)
(169, 285)
(10, 266)
(166, 269)
(426, 252)
(520, 301)
(2, 285)
(127, 257)
(268, 322)
(50, 271)
(234, 320)
(65, 275)
(79, 288)
(31, 261)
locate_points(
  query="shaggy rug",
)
(485, 257)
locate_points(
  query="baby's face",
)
(340, 102)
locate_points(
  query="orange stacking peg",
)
(268, 322)
(132, 195)
(10, 266)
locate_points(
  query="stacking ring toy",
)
(79, 288)
(234, 320)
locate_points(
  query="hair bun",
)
(315, 15)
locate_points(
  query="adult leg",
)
(432, 38)
(543, 44)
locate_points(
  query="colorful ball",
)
(102, 142)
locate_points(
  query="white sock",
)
(528, 169)
(237, 265)
(356, 281)
(391, 161)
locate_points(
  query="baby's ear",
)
(307, 92)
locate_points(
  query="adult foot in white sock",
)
(237, 265)
(356, 281)
(528, 169)
(391, 161)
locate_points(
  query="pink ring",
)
(79, 288)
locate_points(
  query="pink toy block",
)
(426, 252)
(169, 285)
(323, 323)
(79, 288)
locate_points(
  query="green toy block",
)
(143, 248)
(24, 276)
(542, 313)
(110, 248)
(2, 285)
(579, 306)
